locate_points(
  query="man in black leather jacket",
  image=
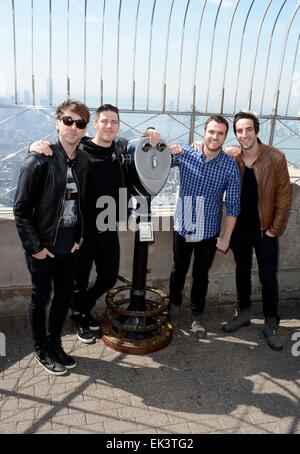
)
(48, 211)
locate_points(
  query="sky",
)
(180, 44)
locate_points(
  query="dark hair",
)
(251, 116)
(75, 106)
(218, 119)
(105, 108)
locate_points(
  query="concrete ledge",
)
(14, 301)
(15, 280)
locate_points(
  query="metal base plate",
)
(136, 347)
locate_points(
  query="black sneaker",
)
(83, 332)
(45, 359)
(60, 355)
(92, 323)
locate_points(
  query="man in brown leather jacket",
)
(265, 203)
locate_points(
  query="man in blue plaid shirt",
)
(205, 176)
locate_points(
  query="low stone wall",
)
(15, 282)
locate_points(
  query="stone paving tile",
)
(158, 419)
(12, 373)
(175, 429)
(102, 416)
(227, 431)
(31, 403)
(131, 413)
(88, 429)
(205, 428)
(60, 431)
(119, 426)
(144, 432)
(9, 404)
(252, 429)
(8, 428)
(89, 407)
(286, 425)
(46, 412)
(8, 384)
(24, 427)
(14, 416)
(70, 421)
(199, 423)
(232, 422)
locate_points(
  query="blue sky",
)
(198, 63)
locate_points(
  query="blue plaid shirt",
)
(202, 186)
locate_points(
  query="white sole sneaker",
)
(86, 341)
(52, 372)
(94, 328)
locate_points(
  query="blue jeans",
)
(266, 251)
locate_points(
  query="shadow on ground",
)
(223, 383)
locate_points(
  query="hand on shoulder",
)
(233, 151)
(41, 147)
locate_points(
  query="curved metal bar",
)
(256, 52)
(211, 53)
(291, 19)
(269, 53)
(240, 57)
(150, 54)
(102, 52)
(166, 58)
(181, 53)
(84, 53)
(293, 71)
(15, 153)
(32, 58)
(197, 54)
(15, 115)
(68, 52)
(50, 87)
(227, 52)
(134, 54)
(118, 53)
(15, 50)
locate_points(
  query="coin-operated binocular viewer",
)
(139, 323)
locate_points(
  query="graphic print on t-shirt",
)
(69, 217)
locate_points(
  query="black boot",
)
(241, 318)
(270, 331)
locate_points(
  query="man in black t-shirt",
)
(106, 185)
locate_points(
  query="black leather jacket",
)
(40, 196)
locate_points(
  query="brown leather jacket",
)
(273, 183)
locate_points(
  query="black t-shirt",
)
(248, 220)
(104, 180)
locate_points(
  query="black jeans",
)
(204, 253)
(60, 271)
(104, 250)
(266, 250)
